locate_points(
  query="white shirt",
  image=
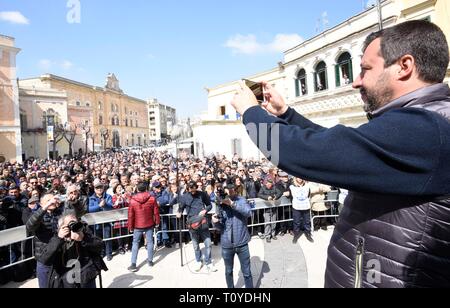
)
(300, 197)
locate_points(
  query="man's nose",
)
(357, 83)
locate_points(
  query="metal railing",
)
(104, 221)
(10, 240)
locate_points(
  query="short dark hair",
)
(192, 184)
(421, 39)
(142, 186)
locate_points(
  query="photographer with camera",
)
(231, 219)
(43, 224)
(197, 205)
(73, 255)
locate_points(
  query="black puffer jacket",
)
(390, 242)
(43, 226)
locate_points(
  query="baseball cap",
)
(282, 174)
(97, 183)
(33, 200)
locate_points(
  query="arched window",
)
(132, 140)
(344, 70)
(88, 104)
(100, 106)
(320, 77)
(100, 120)
(301, 87)
(126, 122)
(78, 104)
(116, 121)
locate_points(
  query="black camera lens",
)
(76, 226)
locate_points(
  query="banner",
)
(50, 133)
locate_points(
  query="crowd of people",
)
(36, 194)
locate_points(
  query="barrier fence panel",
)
(13, 247)
(111, 226)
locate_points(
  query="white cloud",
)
(283, 42)
(249, 45)
(66, 65)
(150, 56)
(45, 64)
(245, 44)
(14, 18)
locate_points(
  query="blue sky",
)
(170, 50)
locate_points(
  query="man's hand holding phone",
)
(259, 94)
(244, 99)
(273, 101)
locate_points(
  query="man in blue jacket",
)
(394, 229)
(100, 201)
(231, 220)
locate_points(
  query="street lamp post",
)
(49, 120)
(177, 134)
(380, 15)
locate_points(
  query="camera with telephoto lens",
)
(76, 226)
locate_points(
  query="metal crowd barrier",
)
(10, 240)
(105, 220)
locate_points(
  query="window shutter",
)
(297, 87)
(350, 70)
(338, 75)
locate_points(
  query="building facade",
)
(161, 119)
(10, 135)
(36, 105)
(105, 117)
(315, 77)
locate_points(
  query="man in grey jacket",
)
(231, 220)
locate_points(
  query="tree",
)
(70, 132)
(87, 133)
(66, 131)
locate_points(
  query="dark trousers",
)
(243, 254)
(302, 221)
(42, 273)
(104, 232)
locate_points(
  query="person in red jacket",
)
(143, 217)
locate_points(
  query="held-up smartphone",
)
(257, 89)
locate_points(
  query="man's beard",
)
(379, 96)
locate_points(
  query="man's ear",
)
(406, 67)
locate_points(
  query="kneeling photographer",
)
(231, 219)
(74, 255)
